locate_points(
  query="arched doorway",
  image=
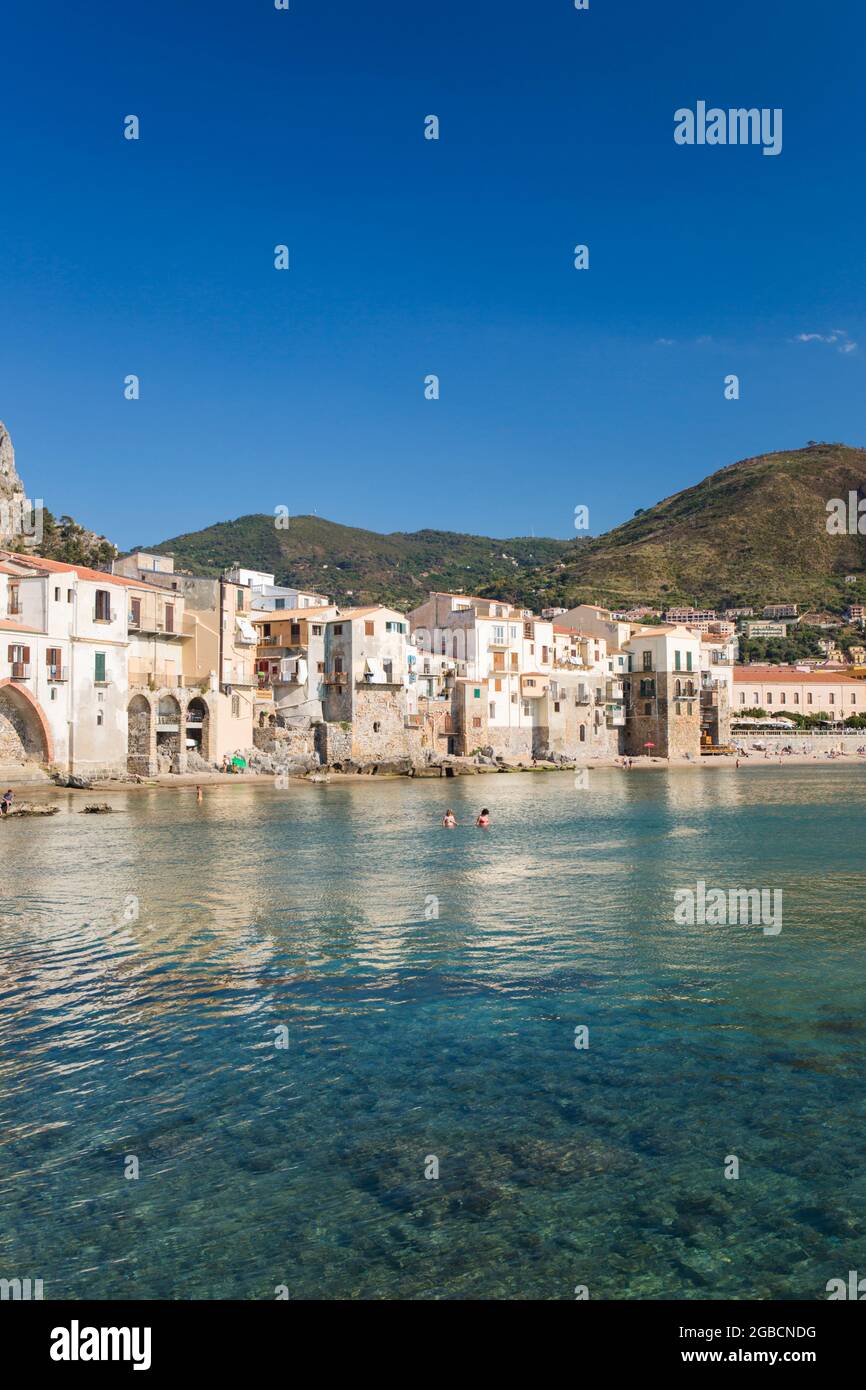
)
(169, 744)
(138, 747)
(24, 733)
(198, 728)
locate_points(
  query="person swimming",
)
(484, 819)
(449, 819)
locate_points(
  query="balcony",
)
(613, 690)
(21, 670)
(336, 678)
(57, 673)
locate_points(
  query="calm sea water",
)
(413, 1036)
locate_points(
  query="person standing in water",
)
(484, 819)
(198, 794)
(449, 820)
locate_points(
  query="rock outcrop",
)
(11, 486)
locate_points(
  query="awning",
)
(246, 631)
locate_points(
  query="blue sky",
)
(305, 388)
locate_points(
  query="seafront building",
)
(63, 672)
(192, 690)
(148, 669)
(783, 690)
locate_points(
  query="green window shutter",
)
(477, 694)
(99, 664)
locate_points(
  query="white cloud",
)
(837, 337)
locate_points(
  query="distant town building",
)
(759, 628)
(780, 610)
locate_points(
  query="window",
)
(809, 698)
(742, 697)
(57, 593)
(54, 692)
(497, 685)
(648, 661)
(782, 698)
(476, 722)
(102, 606)
(236, 707)
(797, 697)
(99, 667)
(583, 733)
(526, 707)
(376, 726)
(296, 634)
(853, 698)
(317, 629)
(647, 709)
(527, 629)
(338, 629)
(476, 694)
(240, 600)
(369, 628)
(320, 667)
(689, 709)
(280, 603)
(514, 698)
(68, 595)
(169, 617)
(53, 663)
(499, 635)
(99, 718)
(678, 664)
(135, 611)
(832, 699)
(266, 629)
(556, 706)
(688, 661)
(338, 665)
(392, 627)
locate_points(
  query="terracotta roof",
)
(38, 564)
(279, 615)
(773, 675)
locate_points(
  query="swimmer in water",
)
(449, 819)
(484, 819)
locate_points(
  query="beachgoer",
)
(6, 803)
(198, 794)
(484, 819)
(449, 819)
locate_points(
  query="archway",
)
(24, 733)
(169, 742)
(198, 728)
(138, 745)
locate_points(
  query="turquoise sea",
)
(149, 1030)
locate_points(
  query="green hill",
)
(348, 563)
(752, 533)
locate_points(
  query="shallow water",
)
(412, 1036)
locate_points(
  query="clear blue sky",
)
(410, 257)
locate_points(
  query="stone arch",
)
(169, 732)
(198, 726)
(140, 746)
(24, 730)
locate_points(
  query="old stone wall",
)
(379, 726)
(19, 741)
